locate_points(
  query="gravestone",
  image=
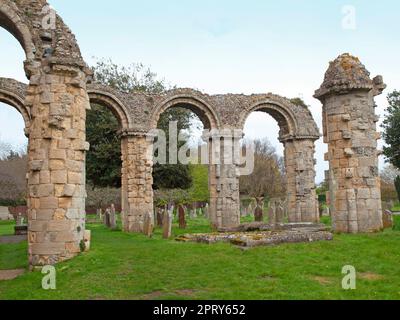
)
(107, 218)
(182, 217)
(259, 211)
(148, 226)
(113, 218)
(271, 215)
(279, 214)
(205, 210)
(21, 228)
(167, 225)
(259, 215)
(160, 214)
(244, 211)
(193, 214)
(99, 214)
(387, 219)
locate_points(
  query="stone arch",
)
(191, 101)
(113, 103)
(13, 93)
(298, 133)
(295, 121)
(11, 21)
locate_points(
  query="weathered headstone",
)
(279, 214)
(193, 214)
(271, 215)
(167, 225)
(20, 220)
(100, 214)
(113, 217)
(20, 228)
(244, 211)
(206, 211)
(259, 212)
(160, 214)
(107, 218)
(148, 226)
(387, 219)
(182, 217)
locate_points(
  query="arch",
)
(12, 22)
(113, 103)
(189, 101)
(13, 93)
(295, 121)
(285, 119)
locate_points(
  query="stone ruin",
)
(59, 93)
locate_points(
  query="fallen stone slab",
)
(260, 226)
(13, 239)
(11, 274)
(263, 238)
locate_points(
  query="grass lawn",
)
(129, 266)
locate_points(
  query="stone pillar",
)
(137, 181)
(300, 175)
(347, 95)
(56, 173)
(224, 208)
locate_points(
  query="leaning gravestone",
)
(167, 225)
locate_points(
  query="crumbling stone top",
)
(344, 74)
(16, 87)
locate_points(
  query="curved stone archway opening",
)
(103, 158)
(266, 185)
(299, 198)
(177, 126)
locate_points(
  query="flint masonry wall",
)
(349, 125)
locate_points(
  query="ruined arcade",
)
(60, 91)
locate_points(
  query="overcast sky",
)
(227, 46)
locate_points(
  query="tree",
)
(13, 167)
(391, 126)
(104, 159)
(389, 174)
(397, 184)
(267, 179)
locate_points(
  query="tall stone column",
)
(56, 179)
(223, 180)
(300, 173)
(137, 181)
(347, 95)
